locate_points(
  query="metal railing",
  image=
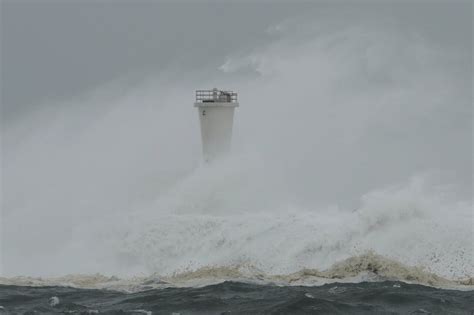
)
(215, 96)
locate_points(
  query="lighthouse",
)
(216, 115)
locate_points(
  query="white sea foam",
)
(195, 235)
(198, 224)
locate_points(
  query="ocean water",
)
(388, 297)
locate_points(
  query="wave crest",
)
(366, 267)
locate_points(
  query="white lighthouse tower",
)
(216, 115)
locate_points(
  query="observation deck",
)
(215, 97)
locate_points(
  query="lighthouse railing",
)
(210, 96)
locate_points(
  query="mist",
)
(349, 124)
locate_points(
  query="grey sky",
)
(53, 50)
(56, 50)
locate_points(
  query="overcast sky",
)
(53, 50)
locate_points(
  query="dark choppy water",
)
(242, 298)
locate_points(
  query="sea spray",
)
(112, 184)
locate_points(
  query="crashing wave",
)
(367, 267)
